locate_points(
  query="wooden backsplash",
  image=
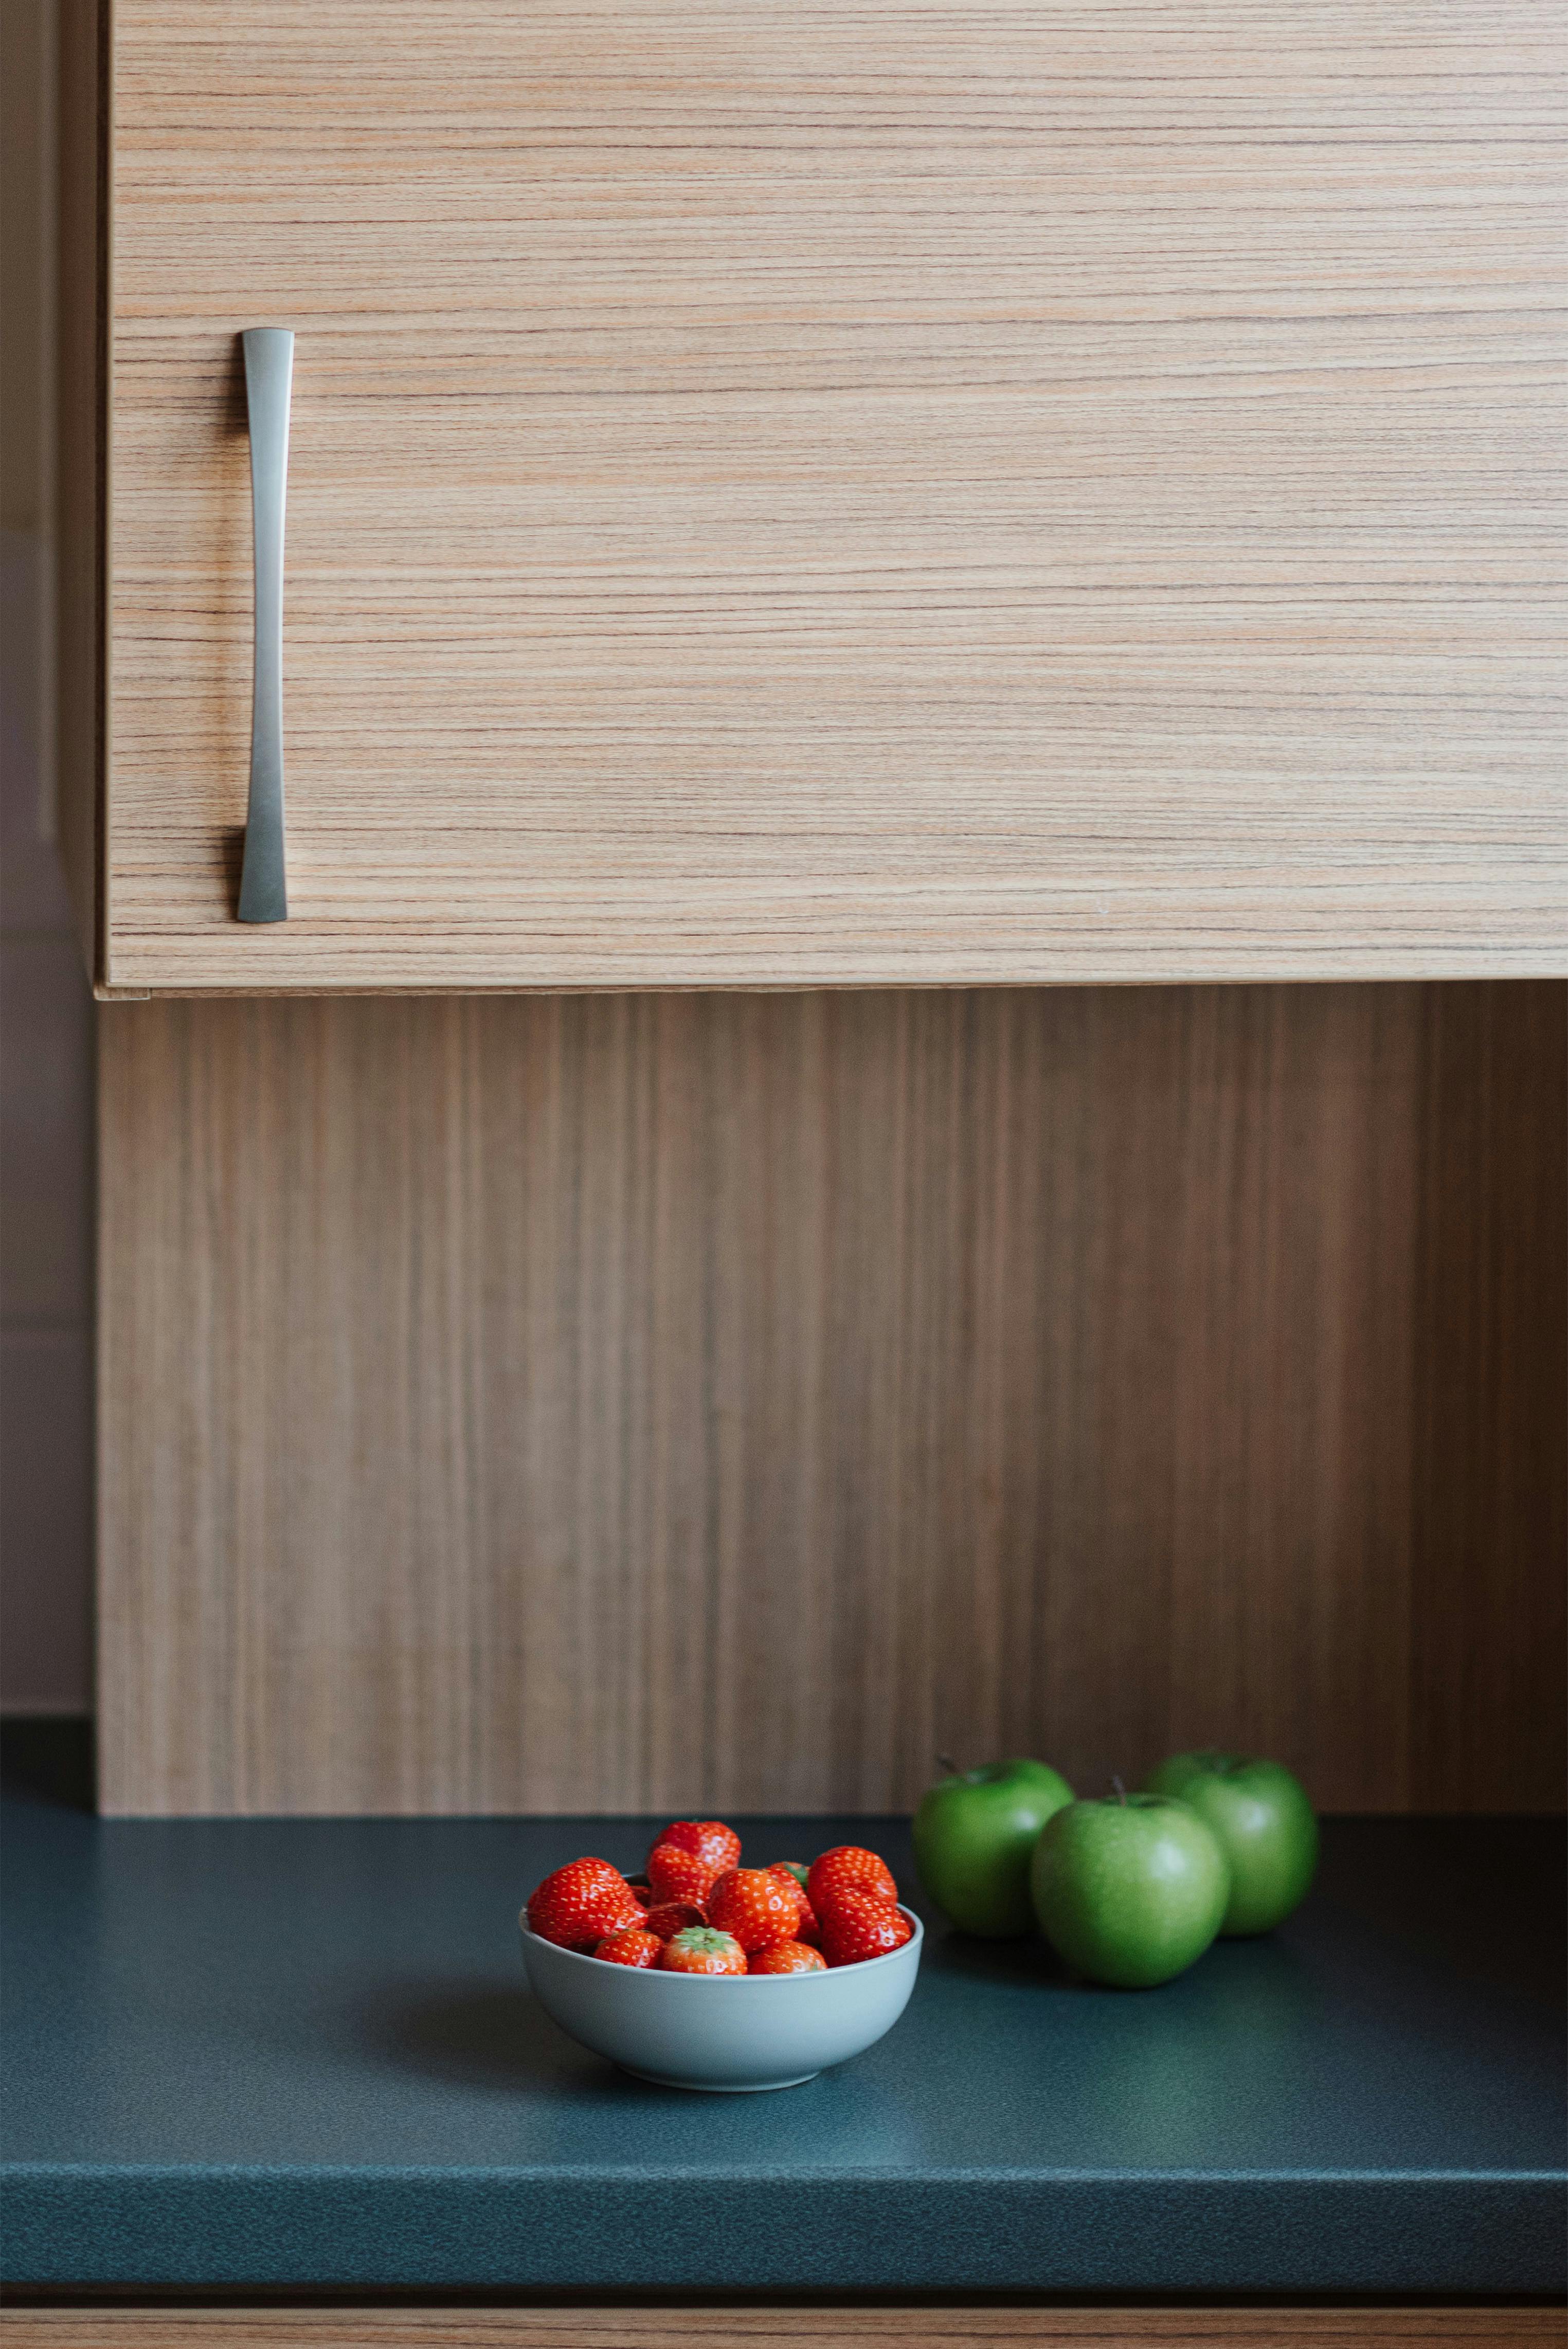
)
(725, 1401)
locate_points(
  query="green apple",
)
(1129, 1891)
(974, 1834)
(1264, 1824)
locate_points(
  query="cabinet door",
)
(787, 492)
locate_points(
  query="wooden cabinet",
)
(786, 495)
(747, 2327)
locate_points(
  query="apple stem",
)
(945, 1761)
(1121, 1790)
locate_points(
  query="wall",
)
(644, 1401)
(46, 1015)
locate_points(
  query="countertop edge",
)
(477, 2232)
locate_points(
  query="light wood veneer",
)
(650, 1401)
(81, 437)
(787, 493)
(754, 2327)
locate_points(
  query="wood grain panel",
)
(628, 1402)
(788, 493)
(81, 488)
(622, 2327)
(1490, 1635)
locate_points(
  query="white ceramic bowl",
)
(725, 2032)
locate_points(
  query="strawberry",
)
(669, 1917)
(676, 1874)
(808, 1930)
(709, 1839)
(631, 1946)
(698, 1949)
(847, 1868)
(758, 1906)
(581, 1904)
(787, 1958)
(859, 1926)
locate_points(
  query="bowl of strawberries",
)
(701, 1974)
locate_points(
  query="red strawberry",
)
(582, 1903)
(787, 1958)
(859, 1926)
(701, 1951)
(758, 1906)
(808, 1930)
(678, 1875)
(710, 1839)
(672, 1917)
(847, 1868)
(631, 1946)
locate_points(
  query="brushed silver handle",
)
(269, 377)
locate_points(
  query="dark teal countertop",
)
(269, 2054)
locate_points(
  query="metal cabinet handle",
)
(269, 375)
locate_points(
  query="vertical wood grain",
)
(1491, 1492)
(640, 1401)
